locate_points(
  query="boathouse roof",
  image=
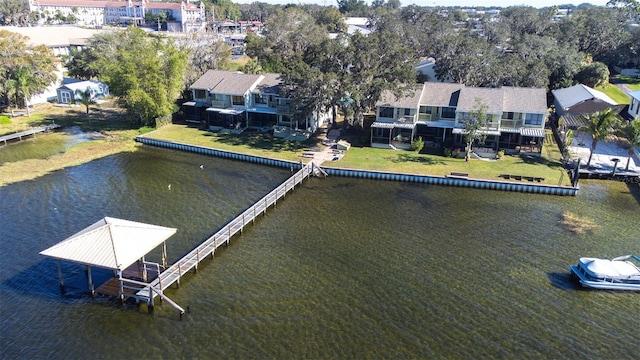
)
(110, 243)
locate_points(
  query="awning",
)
(226, 111)
(386, 125)
(437, 124)
(195, 103)
(487, 132)
(110, 243)
(533, 132)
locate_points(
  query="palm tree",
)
(599, 125)
(85, 98)
(631, 132)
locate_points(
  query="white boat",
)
(614, 274)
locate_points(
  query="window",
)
(533, 119)
(259, 99)
(425, 109)
(386, 112)
(407, 112)
(507, 115)
(448, 113)
(237, 100)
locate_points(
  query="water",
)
(42, 145)
(342, 268)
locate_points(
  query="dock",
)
(146, 292)
(20, 135)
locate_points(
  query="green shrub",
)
(4, 120)
(500, 154)
(417, 144)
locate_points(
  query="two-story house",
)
(232, 102)
(437, 112)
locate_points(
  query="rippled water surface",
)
(342, 268)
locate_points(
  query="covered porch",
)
(392, 135)
(194, 112)
(226, 120)
(522, 141)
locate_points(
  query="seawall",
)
(458, 181)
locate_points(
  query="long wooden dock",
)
(223, 236)
(20, 135)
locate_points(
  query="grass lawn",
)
(239, 63)
(615, 93)
(632, 83)
(119, 134)
(548, 166)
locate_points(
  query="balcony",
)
(424, 117)
(513, 124)
(284, 110)
(220, 104)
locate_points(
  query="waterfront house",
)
(634, 106)
(572, 102)
(232, 102)
(69, 91)
(437, 111)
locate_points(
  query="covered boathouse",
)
(117, 245)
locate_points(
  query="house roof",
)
(498, 100)
(441, 94)
(635, 94)
(577, 94)
(110, 243)
(270, 84)
(493, 98)
(411, 100)
(226, 82)
(463, 98)
(82, 85)
(527, 100)
(54, 36)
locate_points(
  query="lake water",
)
(342, 268)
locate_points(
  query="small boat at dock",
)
(616, 274)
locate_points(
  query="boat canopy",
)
(612, 269)
(110, 243)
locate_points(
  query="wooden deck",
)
(135, 271)
(20, 135)
(223, 236)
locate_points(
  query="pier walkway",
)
(208, 247)
(20, 135)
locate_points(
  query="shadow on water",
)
(41, 280)
(563, 281)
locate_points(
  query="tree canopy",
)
(24, 70)
(145, 72)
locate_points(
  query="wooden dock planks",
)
(20, 135)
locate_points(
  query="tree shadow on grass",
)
(535, 160)
(634, 189)
(97, 120)
(259, 141)
(420, 159)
